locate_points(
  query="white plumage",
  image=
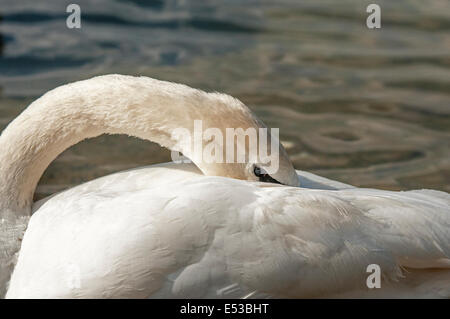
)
(171, 231)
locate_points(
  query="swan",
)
(203, 230)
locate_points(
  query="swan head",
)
(229, 140)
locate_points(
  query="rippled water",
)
(367, 107)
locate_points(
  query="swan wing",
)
(109, 245)
(291, 242)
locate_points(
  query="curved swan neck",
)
(111, 104)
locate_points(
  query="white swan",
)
(185, 230)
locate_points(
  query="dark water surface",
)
(367, 107)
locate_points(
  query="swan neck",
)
(114, 104)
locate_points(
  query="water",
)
(367, 107)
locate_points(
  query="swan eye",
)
(263, 176)
(258, 171)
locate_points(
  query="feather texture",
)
(172, 232)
